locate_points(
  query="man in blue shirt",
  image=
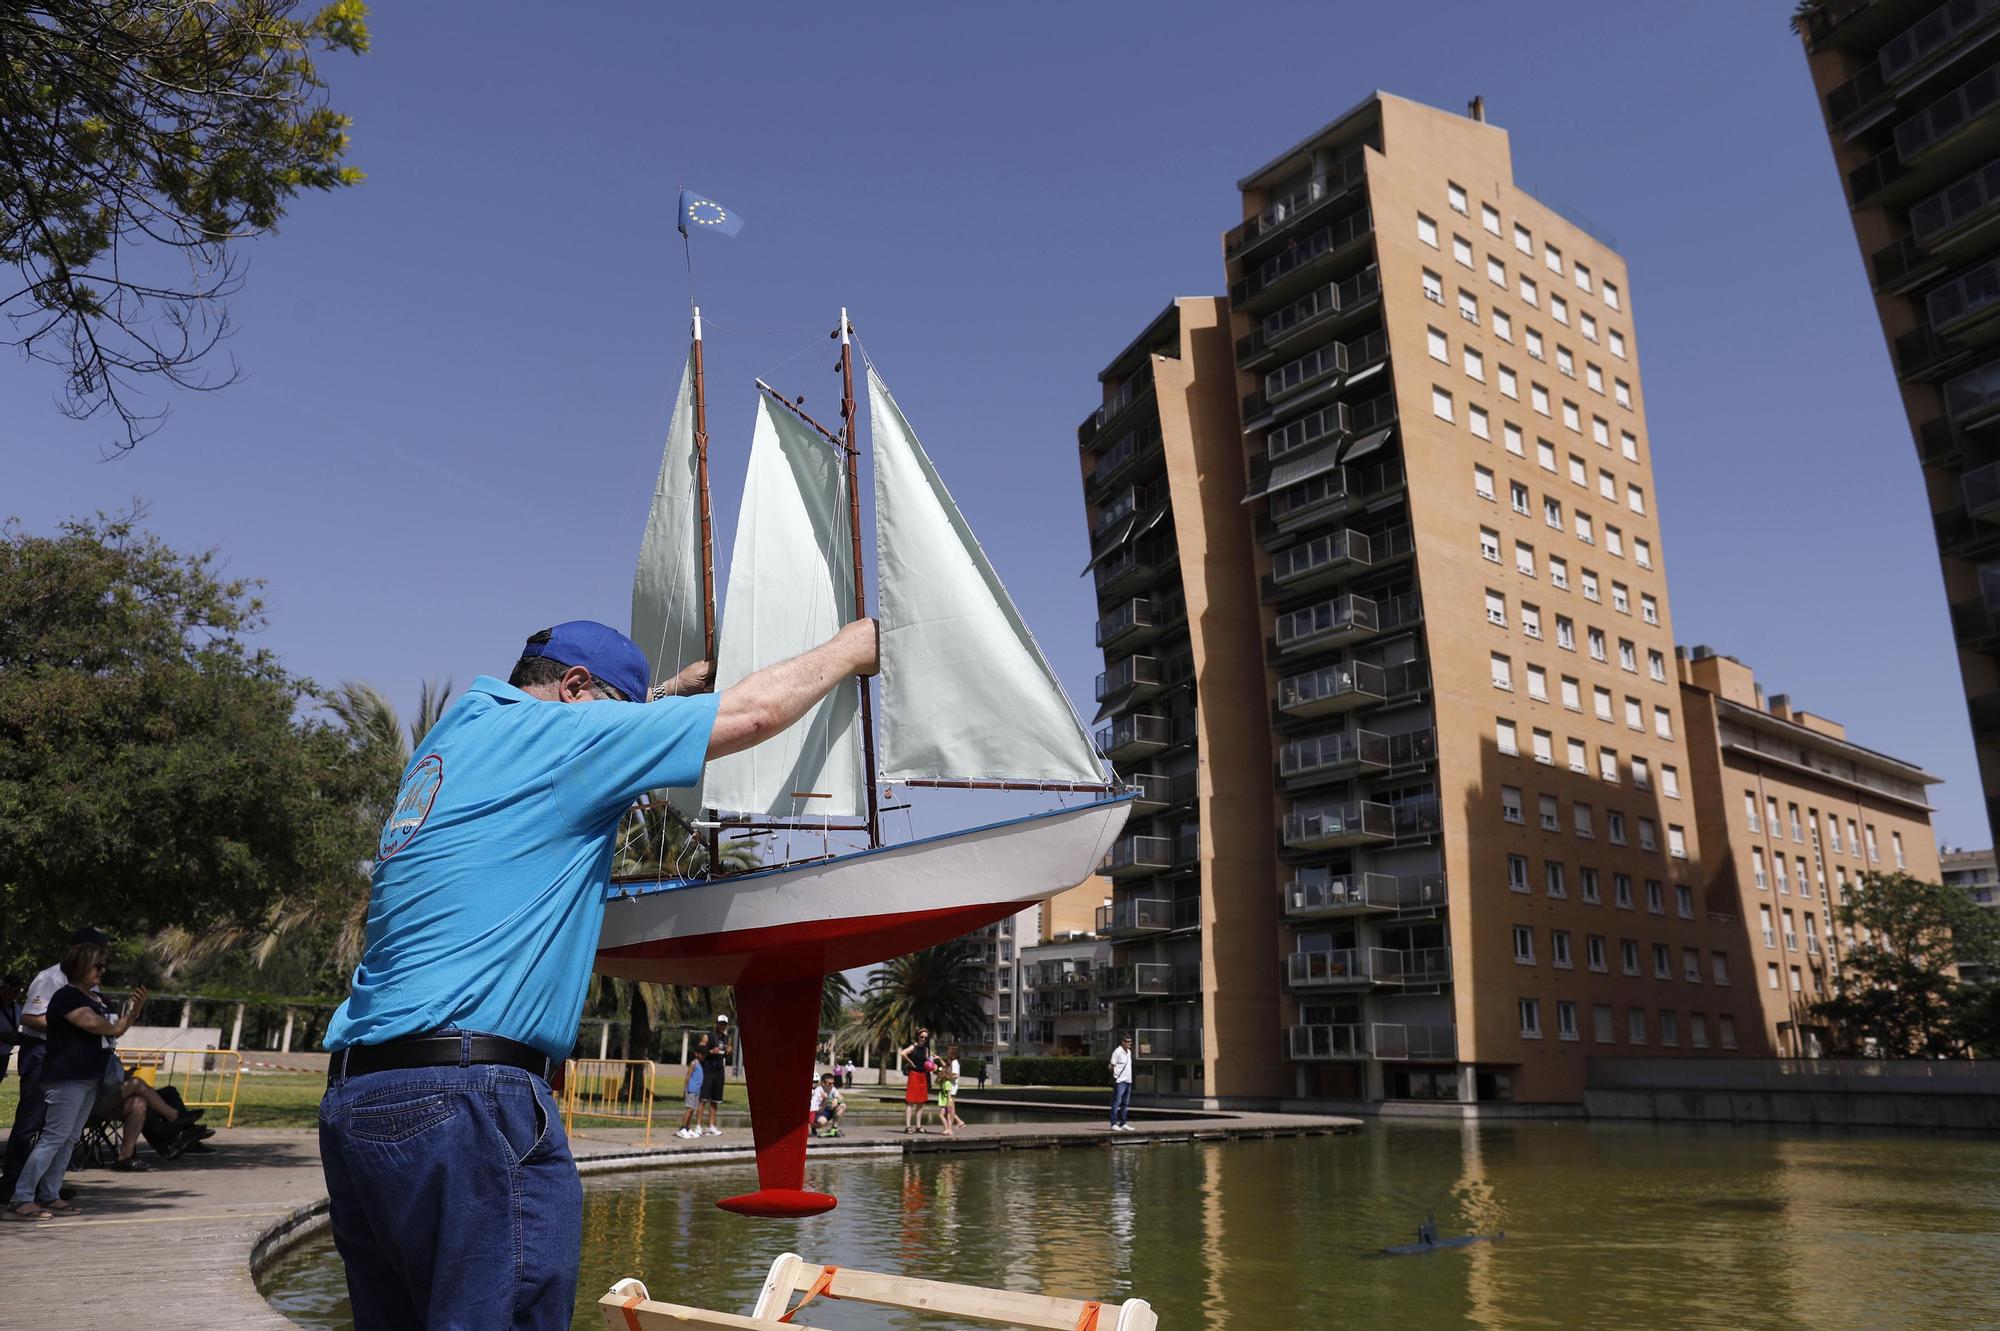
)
(454, 1199)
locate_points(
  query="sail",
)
(790, 588)
(966, 693)
(666, 588)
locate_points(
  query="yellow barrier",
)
(618, 1090)
(206, 1078)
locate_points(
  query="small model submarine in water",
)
(1428, 1240)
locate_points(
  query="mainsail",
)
(666, 588)
(966, 692)
(790, 587)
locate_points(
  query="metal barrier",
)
(206, 1078)
(615, 1090)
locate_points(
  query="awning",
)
(1321, 460)
(1366, 444)
(1112, 546)
(1153, 520)
(1360, 375)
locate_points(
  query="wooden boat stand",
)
(629, 1308)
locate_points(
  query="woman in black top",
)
(916, 1060)
(79, 1026)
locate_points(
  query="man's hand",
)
(696, 678)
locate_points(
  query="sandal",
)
(133, 1166)
(60, 1207)
(27, 1211)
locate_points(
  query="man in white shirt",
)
(1121, 1085)
(827, 1107)
(33, 1104)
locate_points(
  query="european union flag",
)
(701, 214)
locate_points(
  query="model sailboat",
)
(968, 700)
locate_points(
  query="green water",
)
(1609, 1228)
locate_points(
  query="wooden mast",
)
(853, 451)
(707, 557)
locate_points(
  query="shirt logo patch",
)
(413, 806)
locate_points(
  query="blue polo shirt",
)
(488, 886)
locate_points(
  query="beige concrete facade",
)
(1074, 911)
(1794, 815)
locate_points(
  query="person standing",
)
(691, 1094)
(714, 1073)
(948, 1092)
(452, 1193)
(10, 1020)
(80, 1030)
(32, 1105)
(915, 1059)
(1121, 1085)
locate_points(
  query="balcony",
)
(1427, 1044)
(1960, 110)
(1957, 211)
(1321, 1044)
(1316, 894)
(1413, 966)
(1356, 823)
(1340, 619)
(1283, 214)
(1137, 386)
(1323, 560)
(1972, 399)
(1323, 369)
(1146, 979)
(1903, 264)
(1969, 298)
(1153, 793)
(1975, 621)
(1310, 499)
(1059, 1003)
(1279, 275)
(1133, 678)
(1343, 968)
(1156, 1046)
(1134, 445)
(1130, 568)
(1416, 748)
(1416, 818)
(1331, 757)
(1331, 689)
(1981, 487)
(1132, 621)
(1133, 855)
(1133, 916)
(1135, 736)
(1330, 307)
(1127, 504)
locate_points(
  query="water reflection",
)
(1608, 1226)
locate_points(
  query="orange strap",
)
(632, 1318)
(823, 1285)
(1087, 1319)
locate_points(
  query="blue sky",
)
(458, 373)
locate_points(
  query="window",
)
(1580, 821)
(1718, 967)
(1512, 434)
(1456, 195)
(1684, 907)
(1503, 672)
(1475, 365)
(1670, 1028)
(1656, 904)
(1778, 863)
(1535, 345)
(1628, 655)
(1427, 231)
(1482, 481)
(1489, 217)
(1663, 723)
(1503, 326)
(1670, 782)
(1524, 562)
(1517, 497)
(1617, 344)
(1553, 257)
(1440, 349)
(1584, 531)
(1896, 848)
(1677, 841)
(1628, 955)
(1593, 952)
(1771, 980)
(1570, 416)
(1550, 812)
(1607, 765)
(1578, 473)
(1796, 986)
(1832, 829)
(1663, 962)
(1571, 695)
(1588, 878)
(1791, 931)
(1509, 387)
(1529, 291)
(1597, 644)
(1611, 299)
(1635, 717)
(1565, 633)
(1590, 592)
(1635, 498)
(1531, 620)
(1545, 454)
(1607, 485)
(1750, 812)
(1544, 747)
(1441, 404)
(1559, 953)
(1648, 834)
(1635, 1020)
(1461, 250)
(1496, 272)
(1523, 241)
(1621, 393)
(1771, 815)
(1656, 662)
(1601, 1023)
(1510, 803)
(1496, 609)
(1559, 309)
(1468, 306)
(1489, 544)
(1531, 1019)
(1621, 598)
(1579, 756)
(1582, 276)
(1602, 697)
(1642, 775)
(1524, 945)
(1552, 512)
(1628, 444)
(1517, 865)
(1757, 868)
(1600, 431)
(1433, 287)
(1476, 421)
(1565, 1017)
(1593, 378)
(1725, 1026)
(1503, 736)
(1559, 572)
(1853, 837)
(1589, 325)
(1621, 889)
(1538, 683)
(1697, 1030)
(1538, 398)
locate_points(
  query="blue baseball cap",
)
(598, 648)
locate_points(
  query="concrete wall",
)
(1846, 1109)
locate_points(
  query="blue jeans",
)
(65, 1108)
(455, 1203)
(27, 1116)
(1121, 1104)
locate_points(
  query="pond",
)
(1608, 1226)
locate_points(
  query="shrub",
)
(1052, 1070)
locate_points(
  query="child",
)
(827, 1107)
(948, 1093)
(693, 1096)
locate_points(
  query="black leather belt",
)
(437, 1051)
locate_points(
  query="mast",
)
(853, 451)
(707, 518)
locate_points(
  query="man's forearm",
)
(767, 701)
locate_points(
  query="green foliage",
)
(938, 989)
(1897, 988)
(140, 141)
(155, 769)
(1054, 1070)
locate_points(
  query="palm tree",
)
(938, 989)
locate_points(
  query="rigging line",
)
(687, 251)
(766, 373)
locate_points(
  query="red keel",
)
(782, 1022)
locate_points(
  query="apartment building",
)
(1793, 814)
(1181, 701)
(1910, 91)
(994, 952)
(1973, 872)
(1061, 1010)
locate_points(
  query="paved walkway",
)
(176, 1246)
